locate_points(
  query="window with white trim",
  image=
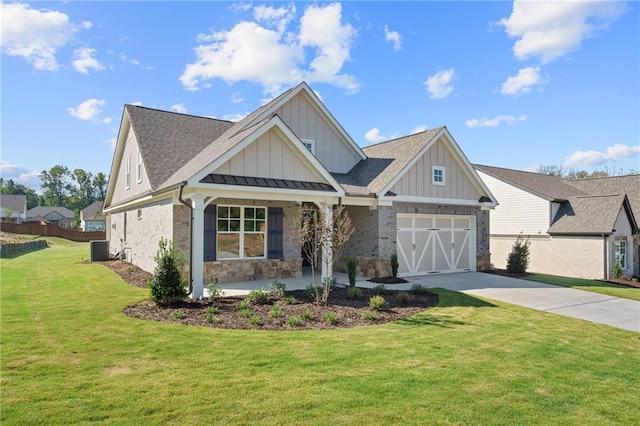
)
(310, 144)
(139, 168)
(241, 232)
(438, 175)
(620, 253)
(127, 172)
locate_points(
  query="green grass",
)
(588, 285)
(70, 356)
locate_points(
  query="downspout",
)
(182, 201)
(605, 258)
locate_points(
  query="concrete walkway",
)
(593, 307)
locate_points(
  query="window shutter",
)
(210, 218)
(274, 233)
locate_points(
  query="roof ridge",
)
(516, 170)
(604, 177)
(179, 113)
(402, 137)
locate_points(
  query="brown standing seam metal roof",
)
(552, 188)
(385, 161)
(266, 182)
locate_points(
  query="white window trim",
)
(242, 233)
(616, 252)
(310, 144)
(127, 172)
(139, 168)
(433, 177)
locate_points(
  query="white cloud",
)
(112, 142)
(265, 52)
(522, 82)
(83, 60)
(393, 37)
(595, 158)
(35, 35)
(234, 117)
(374, 135)
(179, 108)
(549, 30)
(237, 98)
(89, 110)
(419, 129)
(137, 103)
(20, 174)
(87, 25)
(124, 58)
(439, 85)
(495, 121)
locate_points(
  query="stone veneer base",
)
(228, 271)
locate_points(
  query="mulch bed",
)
(627, 283)
(388, 280)
(505, 273)
(350, 313)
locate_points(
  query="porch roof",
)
(266, 182)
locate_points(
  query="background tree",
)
(84, 190)
(99, 186)
(581, 174)
(56, 185)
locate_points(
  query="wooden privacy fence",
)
(51, 230)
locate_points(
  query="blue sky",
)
(518, 84)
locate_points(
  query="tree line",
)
(61, 187)
(569, 173)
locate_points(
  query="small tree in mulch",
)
(518, 260)
(317, 231)
(351, 271)
(166, 285)
(394, 264)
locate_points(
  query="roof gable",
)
(89, 212)
(591, 215)
(629, 185)
(14, 202)
(47, 210)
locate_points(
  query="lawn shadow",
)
(448, 299)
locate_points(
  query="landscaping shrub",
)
(305, 314)
(212, 313)
(294, 321)
(351, 271)
(289, 300)
(276, 311)
(166, 285)
(257, 297)
(277, 289)
(369, 316)
(403, 298)
(331, 318)
(518, 260)
(616, 272)
(255, 320)
(354, 293)
(380, 289)
(377, 302)
(418, 289)
(394, 265)
(214, 290)
(177, 314)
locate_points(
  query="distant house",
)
(577, 228)
(13, 208)
(91, 218)
(60, 216)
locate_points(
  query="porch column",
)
(327, 248)
(197, 245)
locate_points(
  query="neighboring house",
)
(13, 208)
(577, 228)
(91, 217)
(229, 194)
(60, 216)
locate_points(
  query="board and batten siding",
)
(120, 192)
(331, 148)
(269, 157)
(518, 211)
(417, 181)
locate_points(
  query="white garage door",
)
(430, 244)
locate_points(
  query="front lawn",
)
(588, 285)
(69, 355)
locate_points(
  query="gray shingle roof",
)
(385, 161)
(168, 140)
(16, 203)
(587, 215)
(629, 185)
(89, 212)
(553, 188)
(45, 210)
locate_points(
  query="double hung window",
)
(241, 232)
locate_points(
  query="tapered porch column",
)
(327, 247)
(197, 245)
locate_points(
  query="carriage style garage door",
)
(430, 244)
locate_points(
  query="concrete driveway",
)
(593, 307)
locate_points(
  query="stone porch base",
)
(229, 271)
